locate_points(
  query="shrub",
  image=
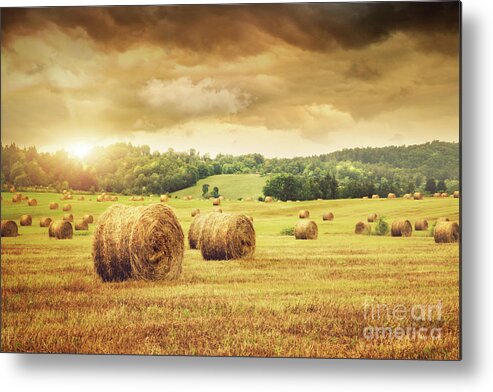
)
(382, 227)
(288, 231)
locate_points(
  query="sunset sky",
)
(282, 80)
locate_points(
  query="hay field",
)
(295, 299)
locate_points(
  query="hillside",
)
(231, 186)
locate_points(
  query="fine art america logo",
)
(413, 322)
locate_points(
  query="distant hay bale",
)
(53, 206)
(365, 197)
(418, 196)
(216, 202)
(456, 194)
(64, 191)
(306, 230)
(61, 230)
(189, 197)
(16, 198)
(407, 196)
(391, 196)
(375, 197)
(143, 242)
(328, 216)
(362, 228)
(81, 225)
(372, 217)
(402, 228)
(68, 217)
(107, 197)
(195, 230)
(420, 225)
(69, 196)
(67, 207)
(88, 218)
(81, 198)
(446, 232)
(444, 194)
(113, 198)
(32, 202)
(437, 194)
(100, 198)
(443, 219)
(268, 199)
(45, 222)
(194, 212)
(9, 228)
(12, 190)
(26, 220)
(304, 214)
(163, 199)
(227, 236)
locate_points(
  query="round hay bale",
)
(268, 199)
(16, 198)
(375, 197)
(67, 207)
(32, 202)
(194, 212)
(365, 197)
(446, 232)
(9, 228)
(407, 196)
(443, 219)
(113, 198)
(372, 217)
(391, 196)
(402, 228)
(304, 214)
(69, 196)
(306, 230)
(444, 194)
(362, 228)
(144, 242)
(437, 194)
(195, 230)
(12, 190)
(81, 198)
(216, 202)
(53, 206)
(420, 225)
(68, 217)
(328, 216)
(81, 225)
(45, 222)
(100, 198)
(456, 194)
(88, 218)
(163, 199)
(64, 191)
(61, 230)
(227, 236)
(107, 198)
(26, 220)
(418, 196)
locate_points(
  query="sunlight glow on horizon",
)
(80, 150)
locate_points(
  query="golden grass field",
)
(294, 299)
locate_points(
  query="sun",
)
(80, 150)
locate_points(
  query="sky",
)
(278, 79)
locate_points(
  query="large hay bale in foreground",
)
(68, 217)
(61, 230)
(26, 220)
(144, 242)
(268, 199)
(88, 218)
(67, 207)
(372, 217)
(328, 216)
(32, 202)
(53, 206)
(163, 199)
(420, 225)
(216, 202)
(227, 236)
(195, 230)
(362, 228)
(306, 230)
(456, 194)
(9, 228)
(391, 196)
(304, 214)
(45, 222)
(446, 232)
(418, 196)
(402, 228)
(194, 212)
(81, 225)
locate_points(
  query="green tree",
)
(430, 185)
(205, 190)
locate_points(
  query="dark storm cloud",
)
(243, 29)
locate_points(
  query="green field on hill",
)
(294, 298)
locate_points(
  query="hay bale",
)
(362, 228)
(88, 218)
(328, 216)
(69, 196)
(12, 190)
(216, 202)
(365, 197)
(113, 198)
(9, 228)
(45, 222)
(443, 219)
(81, 225)
(53, 206)
(407, 196)
(306, 230)
(68, 217)
(456, 194)
(444, 194)
(107, 197)
(99, 199)
(372, 217)
(268, 199)
(391, 196)
(446, 232)
(163, 199)
(418, 196)
(67, 207)
(16, 198)
(26, 220)
(32, 202)
(402, 228)
(81, 198)
(375, 197)
(420, 225)
(144, 242)
(61, 230)
(304, 214)
(194, 212)
(437, 194)
(227, 236)
(195, 230)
